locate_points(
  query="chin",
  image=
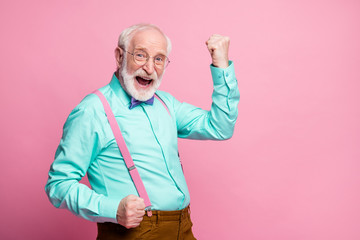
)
(139, 91)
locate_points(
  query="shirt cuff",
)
(108, 210)
(219, 75)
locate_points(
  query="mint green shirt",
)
(88, 146)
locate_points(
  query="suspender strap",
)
(163, 103)
(125, 152)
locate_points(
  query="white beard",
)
(130, 81)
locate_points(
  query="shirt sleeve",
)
(78, 147)
(219, 122)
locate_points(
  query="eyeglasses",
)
(141, 57)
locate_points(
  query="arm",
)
(78, 147)
(219, 122)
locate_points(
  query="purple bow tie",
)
(135, 102)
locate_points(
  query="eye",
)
(159, 59)
(140, 55)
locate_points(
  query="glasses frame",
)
(167, 60)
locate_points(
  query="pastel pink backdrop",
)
(291, 171)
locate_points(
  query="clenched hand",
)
(130, 211)
(218, 47)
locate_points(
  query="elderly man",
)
(146, 198)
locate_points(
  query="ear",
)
(119, 53)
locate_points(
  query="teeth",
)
(145, 78)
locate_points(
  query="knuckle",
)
(131, 205)
(131, 197)
(130, 224)
(129, 214)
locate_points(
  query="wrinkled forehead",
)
(151, 40)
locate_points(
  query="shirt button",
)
(227, 74)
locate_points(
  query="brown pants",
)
(162, 225)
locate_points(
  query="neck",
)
(121, 80)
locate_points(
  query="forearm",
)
(78, 149)
(219, 122)
(80, 200)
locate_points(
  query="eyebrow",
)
(161, 52)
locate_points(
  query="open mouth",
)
(143, 81)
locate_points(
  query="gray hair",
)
(127, 34)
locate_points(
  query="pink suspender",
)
(163, 104)
(125, 152)
(135, 176)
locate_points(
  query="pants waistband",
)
(161, 225)
(168, 215)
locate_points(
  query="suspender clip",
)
(148, 211)
(131, 168)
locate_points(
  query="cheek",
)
(131, 67)
(159, 72)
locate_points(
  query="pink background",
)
(291, 171)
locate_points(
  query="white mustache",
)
(141, 73)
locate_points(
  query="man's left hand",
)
(218, 47)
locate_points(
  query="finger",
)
(135, 201)
(210, 40)
(133, 197)
(132, 225)
(140, 204)
(134, 222)
(140, 213)
(218, 39)
(135, 219)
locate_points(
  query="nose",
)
(149, 66)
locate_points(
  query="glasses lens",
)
(160, 61)
(140, 57)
